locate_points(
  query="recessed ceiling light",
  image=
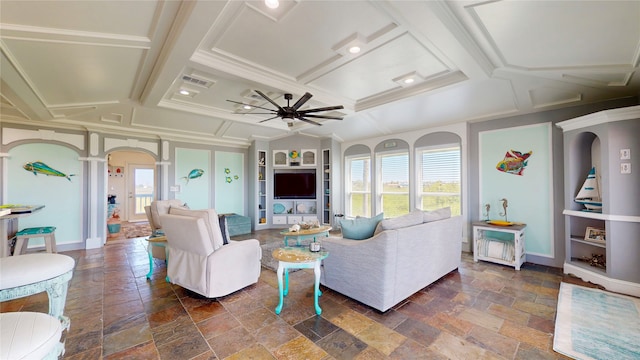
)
(184, 92)
(246, 107)
(272, 4)
(354, 49)
(409, 80)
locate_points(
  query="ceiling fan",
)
(289, 113)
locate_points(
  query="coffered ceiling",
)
(119, 66)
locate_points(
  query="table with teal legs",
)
(298, 258)
(159, 241)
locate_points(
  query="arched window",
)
(392, 178)
(358, 181)
(439, 172)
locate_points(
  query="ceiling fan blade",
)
(323, 117)
(328, 108)
(271, 118)
(309, 121)
(269, 100)
(302, 100)
(252, 106)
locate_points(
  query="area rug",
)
(596, 324)
(135, 229)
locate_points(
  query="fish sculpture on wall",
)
(38, 167)
(514, 162)
(193, 174)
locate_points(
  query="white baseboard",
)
(93, 243)
(615, 285)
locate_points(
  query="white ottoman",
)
(29, 335)
(30, 274)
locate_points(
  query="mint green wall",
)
(195, 193)
(229, 195)
(62, 198)
(530, 196)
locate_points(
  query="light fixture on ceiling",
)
(408, 79)
(272, 4)
(352, 45)
(184, 92)
(247, 107)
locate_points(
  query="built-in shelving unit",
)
(289, 212)
(326, 187)
(262, 188)
(608, 141)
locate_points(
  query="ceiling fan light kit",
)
(289, 113)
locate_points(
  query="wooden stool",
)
(30, 335)
(46, 232)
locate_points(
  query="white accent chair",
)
(153, 211)
(198, 259)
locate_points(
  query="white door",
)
(141, 190)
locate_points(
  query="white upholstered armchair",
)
(200, 261)
(153, 211)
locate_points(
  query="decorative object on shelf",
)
(589, 194)
(38, 167)
(301, 208)
(294, 228)
(280, 157)
(263, 220)
(595, 234)
(505, 204)
(514, 162)
(487, 207)
(308, 157)
(596, 260)
(261, 161)
(193, 174)
(294, 155)
(278, 208)
(499, 222)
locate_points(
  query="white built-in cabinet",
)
(610, 141)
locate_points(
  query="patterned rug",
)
(596, 324)
(131, 230)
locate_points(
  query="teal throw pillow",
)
(360, 228)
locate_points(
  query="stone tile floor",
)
(481, 311)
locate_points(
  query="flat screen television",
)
(294, 184)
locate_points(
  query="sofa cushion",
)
(439, 214)
(211, 221)
(410, 219)
(160, 207)
(360, 228)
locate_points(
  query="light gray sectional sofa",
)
(405, 255)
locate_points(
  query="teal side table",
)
(298, 258)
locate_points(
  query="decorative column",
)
(96, 228)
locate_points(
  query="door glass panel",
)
(143, 189)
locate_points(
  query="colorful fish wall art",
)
(38, 167)
(514, 162)
(228, 177)
(193, 174)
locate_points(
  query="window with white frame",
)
(358, 186)
(393, 183)
(439, 178)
